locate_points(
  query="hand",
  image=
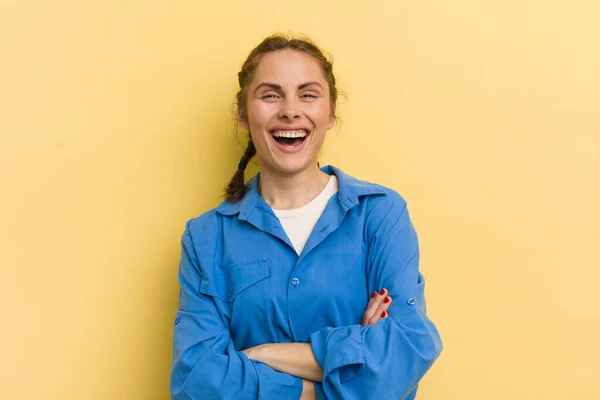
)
(377, 308)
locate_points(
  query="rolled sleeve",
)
(276, 385)
(335, 348)
(386, 360)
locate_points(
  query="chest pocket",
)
(228, 281)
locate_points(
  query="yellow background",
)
(116, 127)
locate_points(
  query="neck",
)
(287, 192)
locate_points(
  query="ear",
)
(331, 122)
(332, 119)
(241, 120)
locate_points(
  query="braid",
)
(248, 154)
(237, 187)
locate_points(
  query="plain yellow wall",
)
(116, 127)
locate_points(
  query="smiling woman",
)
(304, 283)
(287, 91)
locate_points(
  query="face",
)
(289, 111)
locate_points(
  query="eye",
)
(270, 96)
(309, 96)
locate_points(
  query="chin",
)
(290, 167)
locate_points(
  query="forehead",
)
(288, 68)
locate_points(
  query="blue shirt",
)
(243, 284)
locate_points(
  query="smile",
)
(289, 138)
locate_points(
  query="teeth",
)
(290, 134)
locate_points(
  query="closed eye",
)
(270, 96)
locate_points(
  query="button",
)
(176, 320)
(411, 302)
(229, 292)
(295, 281)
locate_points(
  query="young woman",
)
(287, 286)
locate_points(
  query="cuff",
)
(276, 385)
(339, 348)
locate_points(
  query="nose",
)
(289, 110)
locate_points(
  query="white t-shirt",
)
(299, 222)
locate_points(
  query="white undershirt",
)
(299, 222)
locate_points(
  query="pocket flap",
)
(228, 281)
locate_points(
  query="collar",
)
(350, 190)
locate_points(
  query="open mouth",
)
(290, 138)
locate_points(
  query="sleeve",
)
(205, 363)
(388, 359)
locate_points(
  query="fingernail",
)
(383, 314)
(373, 295)
(386, 300)
(382, 292)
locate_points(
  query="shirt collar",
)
(350, 190)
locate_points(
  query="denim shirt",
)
(243, 284)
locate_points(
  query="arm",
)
(388, 359)
(292, 358)
(308, 391)
(282, 358)
(206, 364)
(298, 359)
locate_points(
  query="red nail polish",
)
(373, 295)
(386, 300)
(383, 314)
(382, 292)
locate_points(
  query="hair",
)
(236, 188)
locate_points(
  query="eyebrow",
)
(278, 87)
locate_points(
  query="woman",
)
(287, 286)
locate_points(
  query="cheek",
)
(319, 113)
(260, 113)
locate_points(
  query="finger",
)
(376, 298)
(377, 318)
(381, 311)
(373, 305)
(371, 298)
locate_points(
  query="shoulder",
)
(388, 199)
(381, 206)
(206, 224)
(372, 195)
(384, 211)
(200, 237)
